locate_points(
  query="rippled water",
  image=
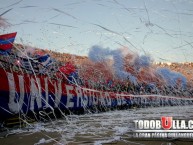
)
(96, 129)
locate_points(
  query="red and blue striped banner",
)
(6, 41)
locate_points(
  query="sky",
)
(162, 29)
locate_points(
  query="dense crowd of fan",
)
(36, 61)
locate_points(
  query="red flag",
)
(68, 68)
(6, 41)
(39, 52)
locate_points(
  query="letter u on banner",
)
(166, 122)
(15, 105)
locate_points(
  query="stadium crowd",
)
(71, 69)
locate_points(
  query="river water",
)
(113, 127)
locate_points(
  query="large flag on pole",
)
(6, 41)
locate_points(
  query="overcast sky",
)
(161, 28)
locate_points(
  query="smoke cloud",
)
(99, 54)
(142, 61)
(127, 66)
(172, 78)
